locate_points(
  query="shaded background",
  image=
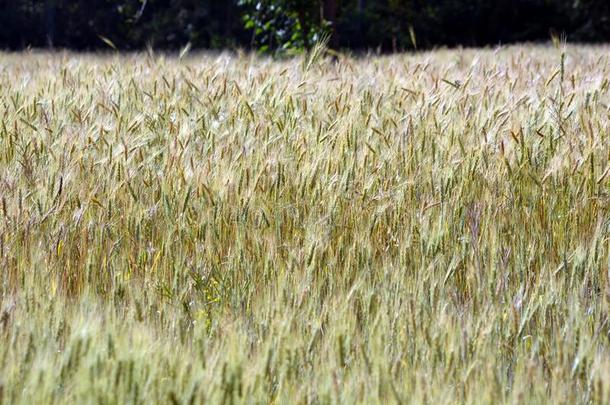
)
(291, 25)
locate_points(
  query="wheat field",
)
(224, 228)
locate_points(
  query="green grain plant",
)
(425, 228)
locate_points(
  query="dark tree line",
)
(129, 24)
(288, 25)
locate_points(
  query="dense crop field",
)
(223, 228)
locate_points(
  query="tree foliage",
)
(289, 25)
(286, 25)
(129, 24)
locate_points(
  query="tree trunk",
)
(49, 18)
(304, 27)
(329, 14)
(361, 22)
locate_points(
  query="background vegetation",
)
(283, 25)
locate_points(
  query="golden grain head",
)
(428, 227)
